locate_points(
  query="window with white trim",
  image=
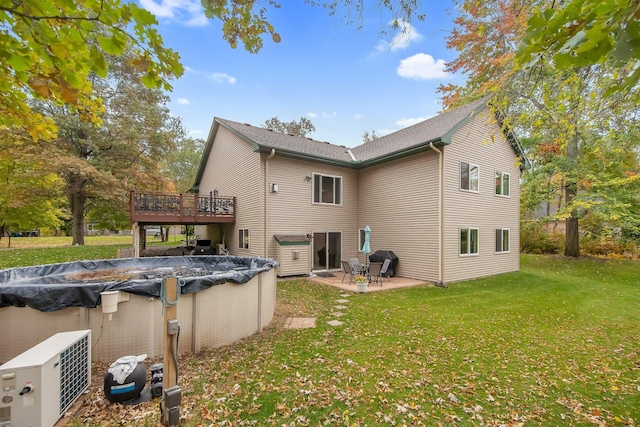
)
(327, 189)
(502, 184)
(502, 240)
(243, 238)
(469, 177)
(360, 239)
(468, 241)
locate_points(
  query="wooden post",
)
(135, 234)
(170, 341)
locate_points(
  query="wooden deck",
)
(166, 209)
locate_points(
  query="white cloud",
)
(411, 121)
(199, 20)
(324, 115)
(422, 66)
(358, 116)
(188, 12)
(195, 132)
(223, 77)
(383, 132)
(402, 40)
(183, 101)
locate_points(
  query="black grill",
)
(381, 255)
(203, 247)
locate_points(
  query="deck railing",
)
(181, 208)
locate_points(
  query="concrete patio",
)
(387, 284)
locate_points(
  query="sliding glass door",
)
(327, 250)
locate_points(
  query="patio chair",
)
(355, 264)
(348, 269)
(374, 272)
(383, 270)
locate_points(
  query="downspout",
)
(352, 156)
(266, 209)
(440, 281)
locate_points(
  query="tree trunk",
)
(77, 201)
(572, 239)
(572, 242)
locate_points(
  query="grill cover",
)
(381, 255)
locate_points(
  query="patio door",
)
(327, 250)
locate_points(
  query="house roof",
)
(435, 129)
(411, 140)
(266, 139)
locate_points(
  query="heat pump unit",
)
(39, 385)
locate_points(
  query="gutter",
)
(440, 281)
(266, 208)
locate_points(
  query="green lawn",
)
(26, 251)
(554, 344)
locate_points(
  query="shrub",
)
(536, 238)
(610, 248)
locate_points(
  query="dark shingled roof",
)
(431, 130)
(407, 141)
(267, 139)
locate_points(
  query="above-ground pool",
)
(222, 299)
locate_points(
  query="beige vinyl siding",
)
(399, 201)
(234, 169)
(291, 210)
(289, 264)
(472, 143)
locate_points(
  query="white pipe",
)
(266, 209)
(351, 154)
(440, 214)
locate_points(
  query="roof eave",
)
(447, 136)
(509, 135)
(410, 151)
(207, 150)
(266, 149)
(512, 139)
(205, 155)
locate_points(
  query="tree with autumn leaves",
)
(579, 117)
(62, 81)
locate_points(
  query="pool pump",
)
(156, 379)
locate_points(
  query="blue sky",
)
(344, 79)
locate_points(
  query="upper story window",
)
(327, 189)
(502, 184)
(469, 177)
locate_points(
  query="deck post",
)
(181, 207)
(135, 234)
(132, 203)
(195, 207)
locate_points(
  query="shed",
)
(293, 254)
